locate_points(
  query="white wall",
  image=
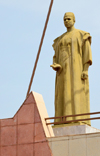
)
(77, 145)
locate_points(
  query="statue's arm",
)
(86, 58)
(54, 59)
(56, 66)
(85, 71)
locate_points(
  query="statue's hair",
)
(70, 14)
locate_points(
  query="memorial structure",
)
(71, 61)
(29, 131)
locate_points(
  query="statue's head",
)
(69, 19)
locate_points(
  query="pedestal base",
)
(74, 130)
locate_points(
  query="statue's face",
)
(68, 21)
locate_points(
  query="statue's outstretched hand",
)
(84, 75)
(56, 67)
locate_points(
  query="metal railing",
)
(63, 119)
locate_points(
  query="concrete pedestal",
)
(74, 130)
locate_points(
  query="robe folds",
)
(72, 51)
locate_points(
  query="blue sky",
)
(21, 26)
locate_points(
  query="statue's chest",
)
(65, 47)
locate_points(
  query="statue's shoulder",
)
(56, 40)
(84, 35)
(82, 32)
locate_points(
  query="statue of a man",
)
(71, 62)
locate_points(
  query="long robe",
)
(72, 51)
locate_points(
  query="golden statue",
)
(71, 62)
